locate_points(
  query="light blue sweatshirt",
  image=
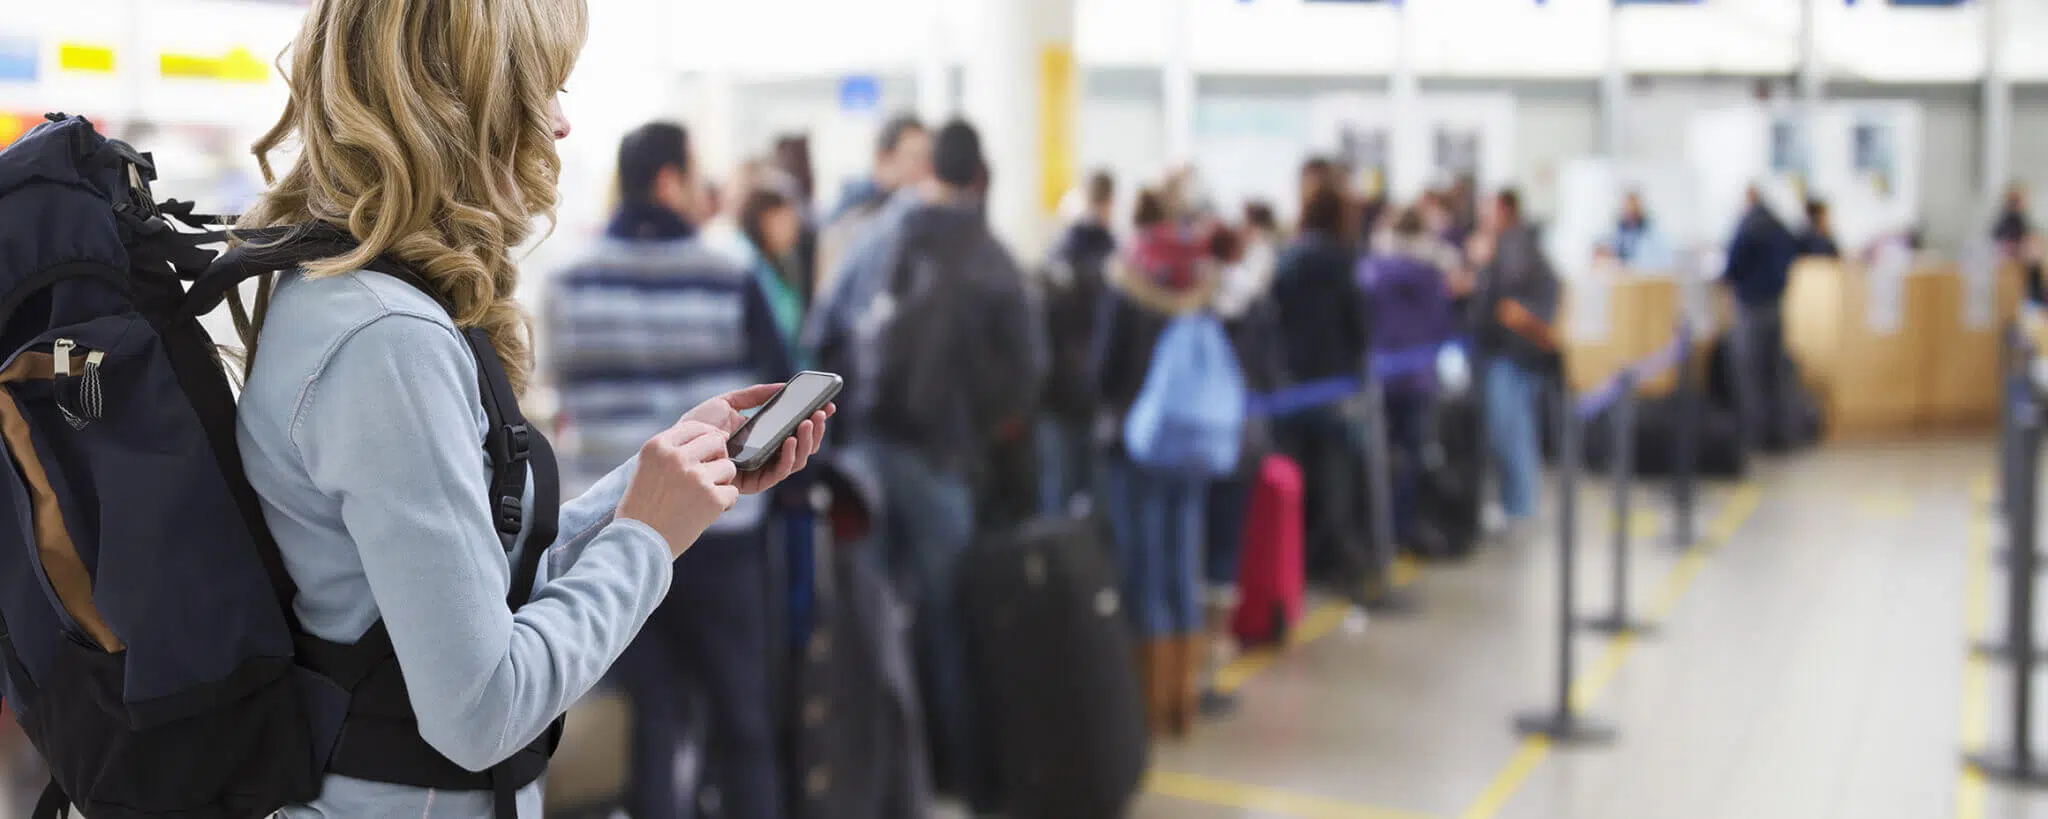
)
(362, 429)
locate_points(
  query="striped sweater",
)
(649, 324)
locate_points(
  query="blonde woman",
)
(427, 132)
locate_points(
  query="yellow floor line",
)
(1504, 785)
(1266, 801)
(1315, 625)
(1592, 682)
(1970, 788)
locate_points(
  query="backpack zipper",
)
(90, 398)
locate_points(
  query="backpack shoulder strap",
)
(514, 446)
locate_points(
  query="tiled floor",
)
(1810, 664)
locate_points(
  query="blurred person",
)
(1408, 285)
(1517, 296)
(1157, 517)
(1075, 283)
(361, 424)
(2017, 242)
(1463, 200)
(1818, 239)
(903, 156)
(1319, 173)
(903, 161)
(1324, 335)
(652, 320)
(792, 154)
(1637, 243)
(1759, 268)
(943, 360)
(771, 227)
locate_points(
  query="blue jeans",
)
(1158, 522)
(1511, 395)
(712, 632)
(1066, 463)
(1229, 502)
(928, 525)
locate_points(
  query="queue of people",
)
(970, 383)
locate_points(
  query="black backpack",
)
(150, 648)
(955, 365)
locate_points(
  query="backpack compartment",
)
(155, 646)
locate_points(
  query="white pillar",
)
(1410, 139)
(1997, 120)
(1613, 90)
(935, 67)
(1022, 94)
(1812, 68)
(1177, 77)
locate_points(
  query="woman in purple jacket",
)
(1406, 282)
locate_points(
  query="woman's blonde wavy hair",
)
(424, 130)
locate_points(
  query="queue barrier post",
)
(1621, 452)
(1686, 397)
(1561, 723)
(1383, 597)
(2016, 763)
(2017, 407)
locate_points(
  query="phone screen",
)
(805, 394)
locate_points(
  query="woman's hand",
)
(684, 482)
(723, 413)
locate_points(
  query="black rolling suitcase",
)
(1453, 479)
(1053, 672)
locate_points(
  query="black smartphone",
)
(760, 440)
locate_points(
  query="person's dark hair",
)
(761, 201)
(793, 156)
(1150, 209)
(1323, 212)
(1409, 222)
(1816, 209)
(1259, 215)
(956, 155)
(1225, 245)
(1101, 188)
(644, 153)
(1510, 200)
(894, 131)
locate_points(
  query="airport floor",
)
(1809, 660)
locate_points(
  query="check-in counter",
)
(1890, 354)
(1638, 314)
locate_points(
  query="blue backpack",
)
(148, 644)
(1190, 415)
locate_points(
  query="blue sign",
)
(860, 94)
(19, 59)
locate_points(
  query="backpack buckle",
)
(511, 444)
(511, 515)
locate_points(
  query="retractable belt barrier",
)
(1383, 596)
(1616, 398)
(2019, 461)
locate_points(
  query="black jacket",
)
(1322, 313)
(1075, 286)
(961, 352)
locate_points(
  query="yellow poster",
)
(1057, 114)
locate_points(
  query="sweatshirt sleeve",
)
(388, 427)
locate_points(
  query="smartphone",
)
(760, 440)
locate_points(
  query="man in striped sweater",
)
(650, 323)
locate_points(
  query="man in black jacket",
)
(944, 358)
(1074, 291)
